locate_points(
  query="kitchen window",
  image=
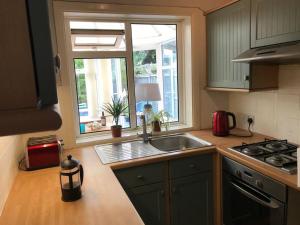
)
(155, 61)
(121, 60)
(99, 80)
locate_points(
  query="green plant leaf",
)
(115, 108)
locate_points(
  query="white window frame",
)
(127, 54)
(186, 18)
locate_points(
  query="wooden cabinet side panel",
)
(264, 76)
(274, 22)
(17, 86)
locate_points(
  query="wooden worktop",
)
(35, 196)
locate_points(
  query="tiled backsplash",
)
(277, 113)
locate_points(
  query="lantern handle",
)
(81, 173)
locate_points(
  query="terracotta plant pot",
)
(116, 130)
(156, 126)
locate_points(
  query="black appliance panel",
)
(244, 203)
(256, 179)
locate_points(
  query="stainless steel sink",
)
(177, 142)
(110, 153)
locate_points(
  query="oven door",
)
(245, 205)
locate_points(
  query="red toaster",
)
(43, 152)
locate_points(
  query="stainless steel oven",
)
(251, 198)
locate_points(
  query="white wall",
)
(202, 4)
(11, 150)
(277, 113)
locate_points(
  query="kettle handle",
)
(233, 120)
(81, 173)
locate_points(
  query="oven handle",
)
(270, 204)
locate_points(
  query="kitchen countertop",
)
(35, 196)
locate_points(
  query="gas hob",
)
(278, 153)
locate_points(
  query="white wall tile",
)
(265, 117)
(277, 113)
(289, 129)
(289, 79)
(210, 102)
(288, 106)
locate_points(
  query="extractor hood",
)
(284, 53)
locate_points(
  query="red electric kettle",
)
(221, 125)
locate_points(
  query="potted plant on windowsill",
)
(115, 109)
(156, 122)
(158, 119)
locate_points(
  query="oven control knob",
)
(259, 184)
(238, 173)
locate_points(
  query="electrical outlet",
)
(249, 119)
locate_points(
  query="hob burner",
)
(276, 146)
(277, 160)
(294, 154)
(252, 150)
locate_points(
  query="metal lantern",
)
(71, 178)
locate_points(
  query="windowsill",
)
(127, 135)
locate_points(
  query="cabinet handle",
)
(247, 78)
(140, 177)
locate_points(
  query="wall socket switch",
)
(250, 119)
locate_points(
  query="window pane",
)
(96, 25)
(97, 36)
(97, 82)
(155, 62)
(95, 40)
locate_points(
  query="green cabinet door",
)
(228, 35)
(150, 203)
(274, 22)
(191, 200)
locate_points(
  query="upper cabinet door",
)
(17, 86)
(228, 35)
(274, 22)
(26, 56)
(27, 88)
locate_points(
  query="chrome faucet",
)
(145, 135)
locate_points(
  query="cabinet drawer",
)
(141, 175)
(191, 165)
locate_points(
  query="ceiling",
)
(204, 5)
